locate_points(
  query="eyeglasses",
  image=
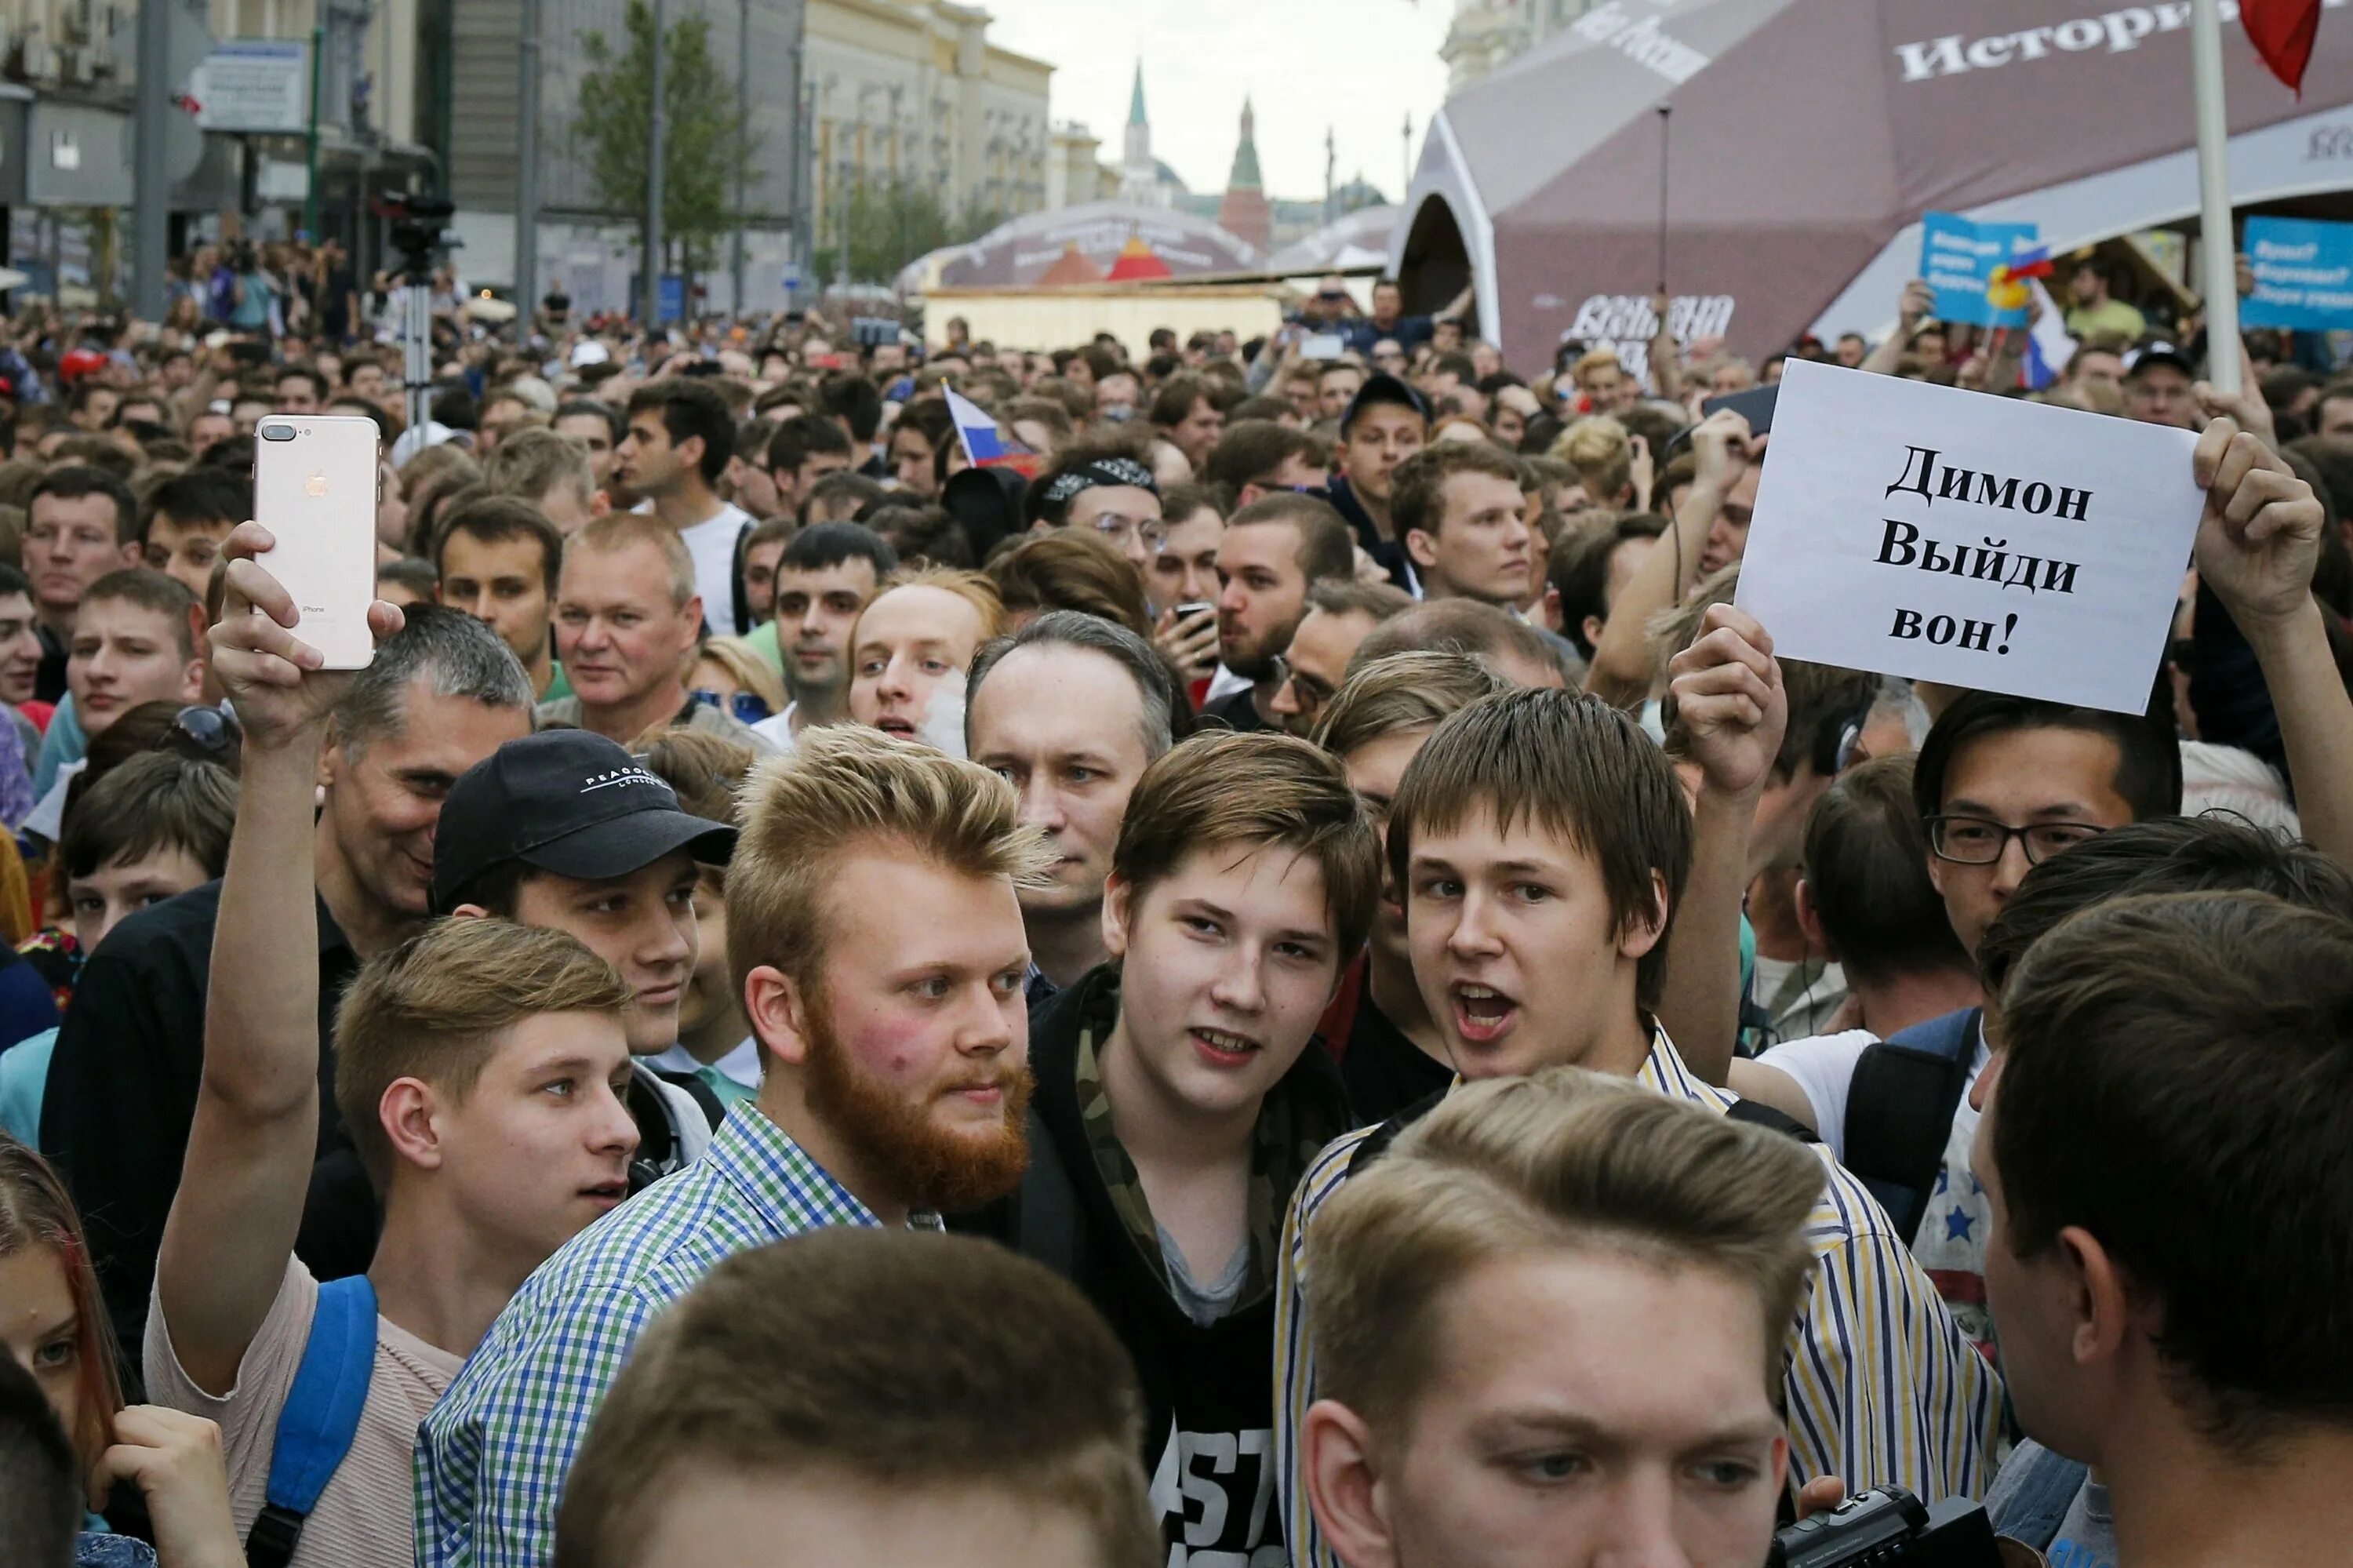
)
(1117, 531)
(214, 731)
(1309, 692)
(747, 707)
(1974, 840)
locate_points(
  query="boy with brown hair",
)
(1504, 1282)
(1391, 1051)
(476, 1068)
(1179, 1095)
(1542, 844)
(871, 1397)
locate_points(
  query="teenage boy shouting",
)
(1178, 1101)
(1541, 843)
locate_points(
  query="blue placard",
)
(1958, 257)
(673, 297)
(2304, 274)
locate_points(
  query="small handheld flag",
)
(984, 444)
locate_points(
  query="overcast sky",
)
(1355, 66)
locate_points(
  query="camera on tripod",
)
(419, 231)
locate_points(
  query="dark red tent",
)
(1808, 137)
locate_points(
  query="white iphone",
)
(314, 487)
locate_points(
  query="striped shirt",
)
(1882, 1388)
(492, 1456)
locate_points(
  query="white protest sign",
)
(1983, 542)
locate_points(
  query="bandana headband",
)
(1100, 472)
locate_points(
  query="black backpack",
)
(1899, 1112)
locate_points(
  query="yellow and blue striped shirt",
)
(1882, 1388)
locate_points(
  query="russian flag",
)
(2048, 347)
(2032, 262)
(984, 443)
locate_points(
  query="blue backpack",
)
(321, 1417)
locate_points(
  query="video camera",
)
(420, 231)
(1889, 1528)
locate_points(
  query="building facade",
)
(1487, 34)
(469, 101)
(67, 72)
(913, 90)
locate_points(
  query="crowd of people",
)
(1284, 979)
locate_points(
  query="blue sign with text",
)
(2304, 274)
(1958, 257)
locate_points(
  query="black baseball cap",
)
(1382, 387)
(567, 801)
(2157, 354)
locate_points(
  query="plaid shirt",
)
(1881, 1389)
(492, 1456)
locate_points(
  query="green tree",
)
(893, 222)
(707, 142)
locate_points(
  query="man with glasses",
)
(1340, 615)
(2001, 785)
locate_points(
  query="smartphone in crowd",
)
(1754, 405)
(314, 487)
(1323, 346)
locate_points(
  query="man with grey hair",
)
(441, 695)
(1071, 710)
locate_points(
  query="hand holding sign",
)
(2259, 537)
(1980, 542)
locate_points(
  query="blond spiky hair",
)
(845, 786)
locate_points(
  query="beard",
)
(925, 1166)
(1253, 659)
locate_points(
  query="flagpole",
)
(2220, 253)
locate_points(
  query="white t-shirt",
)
(1950, 1246)
(365, 1518)
(713, 546)
(778, 731)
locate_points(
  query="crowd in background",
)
(1431, 1044)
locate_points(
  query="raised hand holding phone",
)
(315, 483)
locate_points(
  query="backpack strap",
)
(706, 1099)
(320, 1417)
(1756, 1113)
(742, 605)
(1377, 1141)
(1899, 1112)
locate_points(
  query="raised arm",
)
(1910, 311)
(2258, 543)
(233, 1220)
(1730, 702)
(1621, 670)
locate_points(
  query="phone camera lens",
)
(277, 433)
